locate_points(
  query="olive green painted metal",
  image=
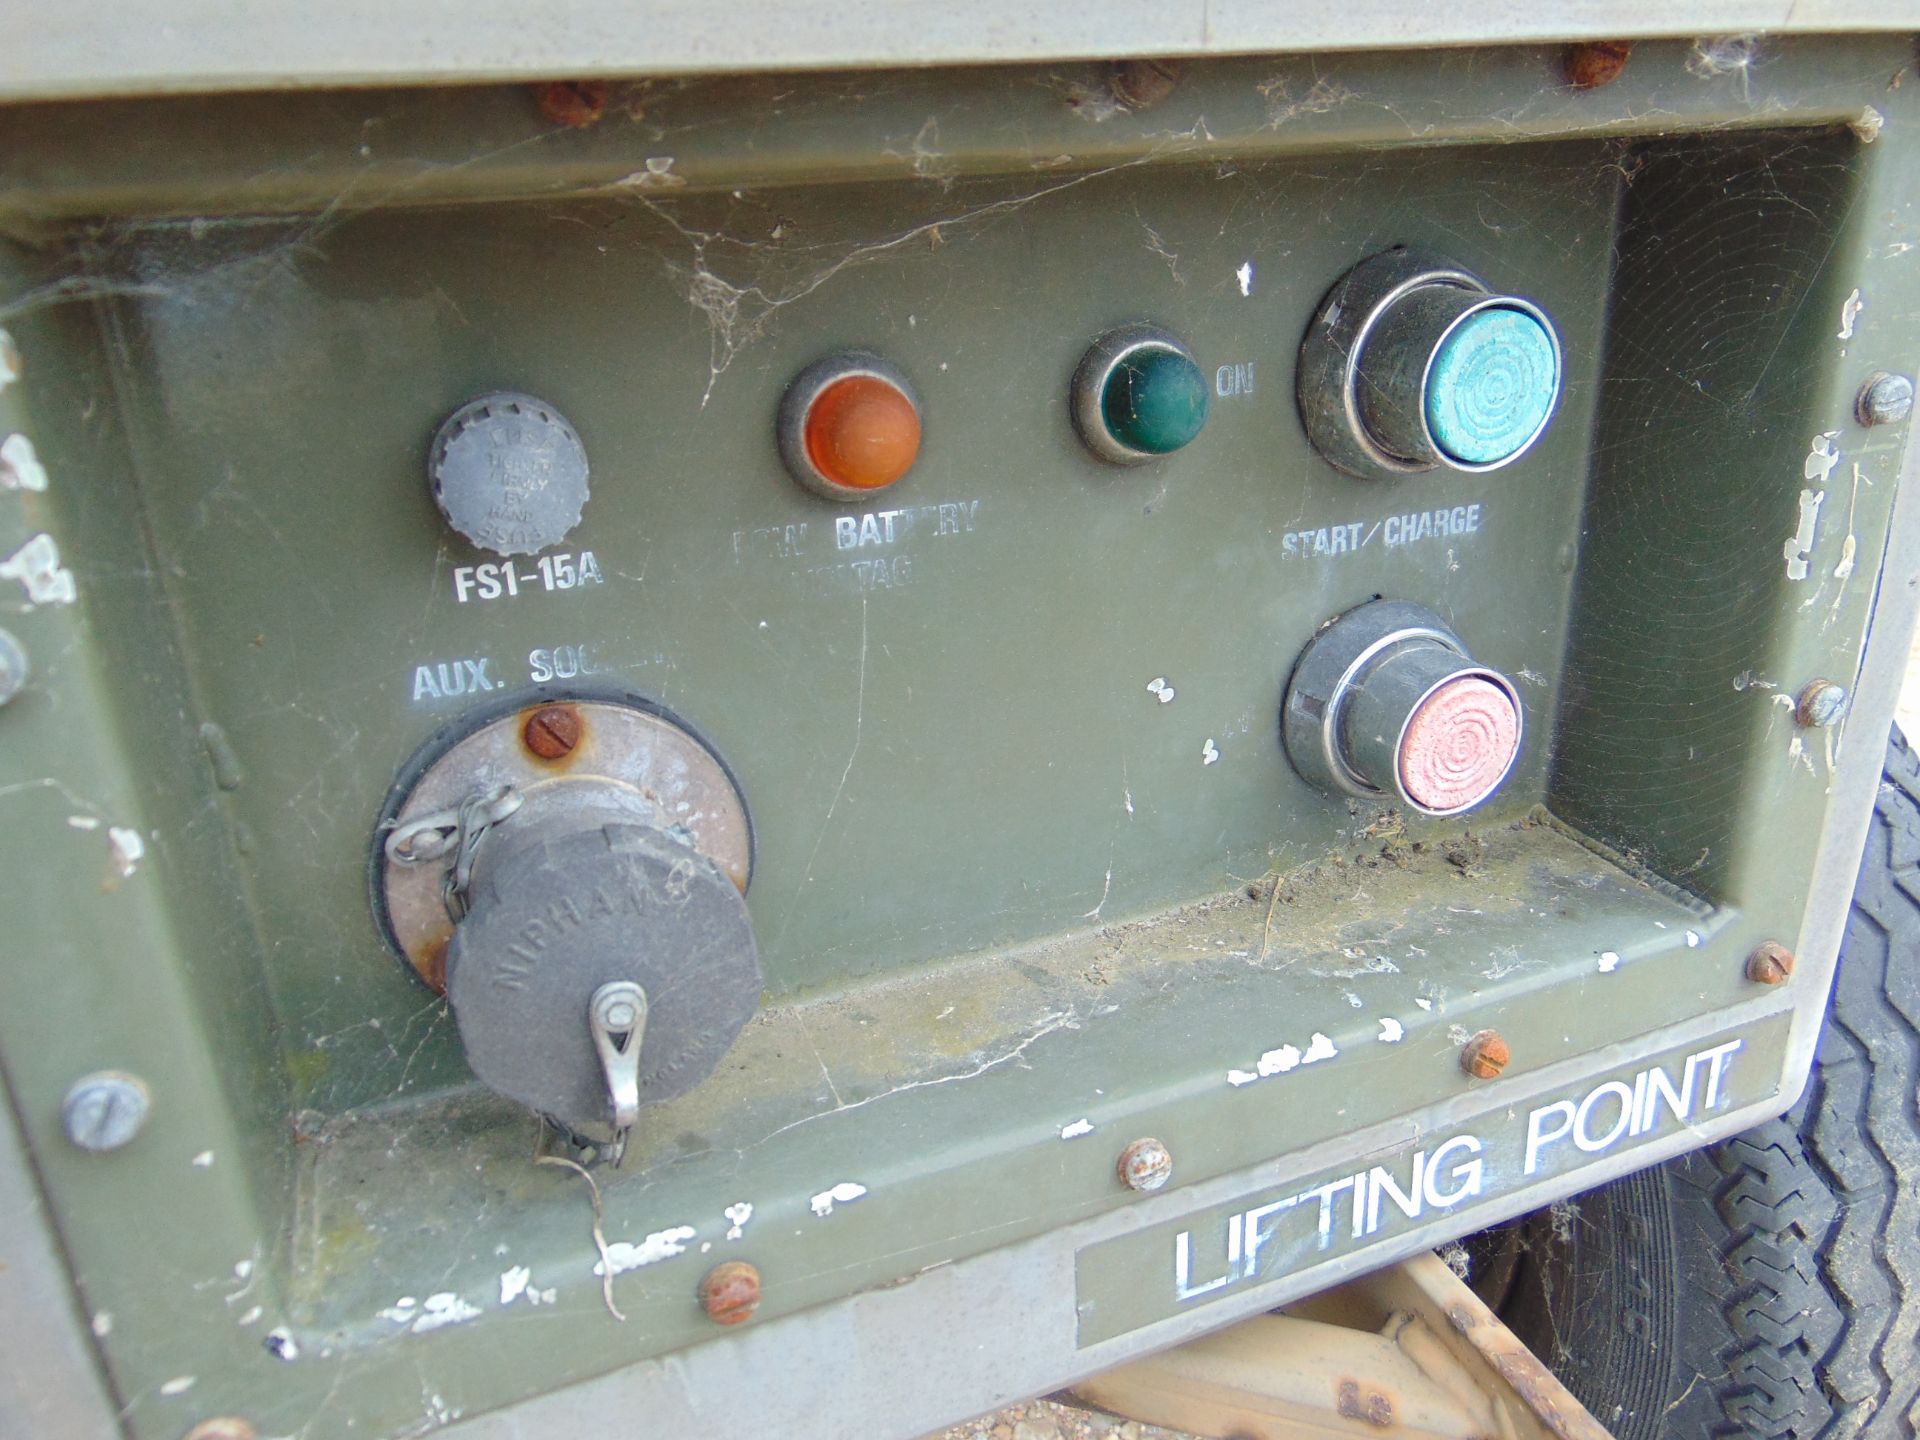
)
(1015, 908)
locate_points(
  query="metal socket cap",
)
(1413, 363)
(509, 473)
(1385, 703)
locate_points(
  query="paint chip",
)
(36, 565)
(1867, 125)
(1850, 309)
(179, 1385)
(1693, 940)
(1245, 276)
(250, 1316)
(1077, 1129)
(281, 1345)
(1609, 962)
(84, 822)
(1278, 1062)
(444, 1309)
(1391, 1030)
(1423, 1002)
(1161, 690)
(242, 1269)
(128, 849)
(738, 1214)
(1208, 754)
(1799, 546)
(1241, 1077)
(20, 467)
(513, 1283)
(1319, 1048)
(660, 1245)
(657, 174)
(10, 364)
(204, 1160)
(103, 1324)
(1822, 456)
(402, 1311)
(845, 1193)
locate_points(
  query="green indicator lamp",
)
(1138, 395)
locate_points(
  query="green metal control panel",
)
(679, 747)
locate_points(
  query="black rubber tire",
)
(1768, 1285)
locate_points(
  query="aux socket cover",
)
(509, 473)
(567, 911)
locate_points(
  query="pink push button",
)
(1459, 744)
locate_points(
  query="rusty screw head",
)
(223, 1427)
(730, 1293)
(1485, 1055)
(1594, 63)
(1770, 963)
(573, 103)
(1141, 84)
(1820, 703)
(1885, 399)
(1146, 1164)
(552, 731)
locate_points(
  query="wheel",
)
(1768, 1285)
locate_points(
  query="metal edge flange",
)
(1090, 383)
(1329, 379)
(629, 763)
(1330, 671)
(790, 424)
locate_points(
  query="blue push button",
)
(1492, 385)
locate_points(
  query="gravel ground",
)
(1044, 1420)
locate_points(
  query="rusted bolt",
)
(1770, 964)
(1886, 399)
(1146, 1164)
(730, 1293)
(1820, 703)
(552, 731)
(1142, 84)
(1365, 1402)
(223, 1427)
(1594, 63)
(573, 103)
(1485, 1055)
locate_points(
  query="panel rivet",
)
(105, 1110)
(1141, 84)
(1594, 63)
(1886, 399)
(223, 1427)
(1146, 1164)
(1820, 703)
(1485, 1055)
(1770, 964)
(730, 1293)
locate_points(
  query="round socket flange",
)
(1415, 364)
(627, 763)
(1385, 703)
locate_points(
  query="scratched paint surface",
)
(242, 592)
(973, 647)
